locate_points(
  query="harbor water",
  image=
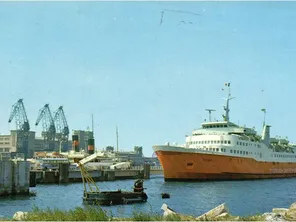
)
(242, 197)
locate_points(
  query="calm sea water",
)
(194, 198)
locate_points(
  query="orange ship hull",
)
(206, 166)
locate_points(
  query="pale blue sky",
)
(115, 60)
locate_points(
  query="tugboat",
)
(95, 196)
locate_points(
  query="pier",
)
(65, 175)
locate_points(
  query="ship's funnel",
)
(91, 146)
(75, 143)
(266, 134)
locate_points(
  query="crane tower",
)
(49, 129)
(62, 128)
(18, 112)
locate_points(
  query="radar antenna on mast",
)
(210, 114)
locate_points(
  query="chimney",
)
(75, 143)
(91, 146)
(266, 135)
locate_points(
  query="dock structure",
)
(14, 175)
(65, 175)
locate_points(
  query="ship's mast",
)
(210, 112)
(117, 139)
(264, 111)
(226, 108)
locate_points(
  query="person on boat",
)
(138, 186)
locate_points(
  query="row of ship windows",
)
(284, 156)
(232, 151)
(210, 142)
(248, 144)
(215, 149)
(222, 142)
(246, 152)
(215, 126)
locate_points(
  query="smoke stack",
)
(266, 135)
(91, 146)
(75, 143)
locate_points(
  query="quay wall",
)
(14, 177)
(21, 176)
(5, 177)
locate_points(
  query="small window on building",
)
(230, 151)
(234, 151)
(229, 141)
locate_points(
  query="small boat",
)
(92, 194)
(165, 195)
(117, 197)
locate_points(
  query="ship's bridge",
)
(222, 128)
(222, 124)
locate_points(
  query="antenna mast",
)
(264, 111)
(210, 112)
(92, 124)
(226, 108)
(117, 139)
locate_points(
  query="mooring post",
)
(146, 171)
(64, 172)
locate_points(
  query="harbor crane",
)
(18, 112)
(49, 129)
(62, 128)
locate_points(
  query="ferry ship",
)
(222, 150)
